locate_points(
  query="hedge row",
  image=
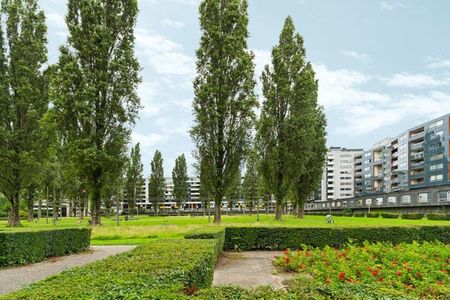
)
(217, 234)
(21, 247)
(163, 269)
(279, 238)
(438, 216)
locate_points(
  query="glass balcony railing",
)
(417, 135)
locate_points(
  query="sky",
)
(382, 66)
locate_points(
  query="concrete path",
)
(249, 269)
(15, 278)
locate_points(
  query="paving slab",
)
(15, 278)
(249, 269)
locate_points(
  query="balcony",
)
(418, 156)
(378, 161)
(436, 150)
(417, 165)
(418, 146)
(417, 136)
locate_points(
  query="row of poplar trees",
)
(286, 145)
(64, 128)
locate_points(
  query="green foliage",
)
(180, 180)
(23, 99)
(359, 214)
(93, 88)
(251, 238)
(414, 270)
(412, 216)
(134, 176)
(373, 215)
(250, 184)
(156, 184)
(23, 247)
(216, 233)
(291, 129)
(163, 269)
(390, 215)
(438, 216)
(224, 99)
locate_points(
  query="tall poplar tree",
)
(307, 143)
(94, 87)
(180, 181)
(156, 184)
(224, 94)
(250, 184)
(291, 129)
(134, 177)
(22, 98)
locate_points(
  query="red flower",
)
(375, 273)
(369, 269)
(439, 282)
(398, 273)
(380, 279)
(302, 266)
(444, 271)
(342, 276)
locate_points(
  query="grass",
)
(145, 229)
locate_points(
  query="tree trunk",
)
(179, 208)
(30, 214)
(217, 212)
(300, 210)
(278, 211)
(13, 216)
(39, 209)
(96, 199)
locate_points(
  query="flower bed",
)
(416, 270)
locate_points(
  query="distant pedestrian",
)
(329, 219)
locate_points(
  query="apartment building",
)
(417, 158)
(338, 177)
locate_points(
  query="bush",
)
(412, 216)
(359, 214)
(373, 215)
(438, 216)
(163, 269)
(217, 234)
(21, 247)
(280, 238)
(390, 215)
(347, 214)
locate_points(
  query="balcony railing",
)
(417, 165)
(417, 135)
(417, 146)
(417, 156)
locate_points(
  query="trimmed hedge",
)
(359, 214)
(390, 215)
(373, 215)
(280, 238)
(163, 269)
(217, 234)
(412, 216)
(438, 216)
(21, 247)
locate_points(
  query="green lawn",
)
(146, 228)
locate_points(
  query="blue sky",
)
(383, 66)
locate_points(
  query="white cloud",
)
(184, 2)
(416, 81)
(358, 111)
(164, 55)
(147, 140)
(147, 93)
(262, 58)
(55, 19)
(391, 5)
(364, 58)
(437, 63)
(172, 23)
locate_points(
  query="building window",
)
(392, 200)
(436, 124)
(380, 201)
(423, 198)
(436, 167)
(443, 196)
(405, 199)
(434, 178)
(437, 157)
(368, 201)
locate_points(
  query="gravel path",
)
(249, 269)
(15, 278)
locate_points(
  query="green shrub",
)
(390, 215)
(373, 215)
(162, 269)
(280, 238)
(438, 216)
(347, 214)
(217, 234)
(359, 214)
(20, 247)
(412, 216)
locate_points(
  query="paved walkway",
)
(249, 269)
(15, 278)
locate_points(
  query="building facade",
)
(338, 177)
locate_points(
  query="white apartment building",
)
(338, 176)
